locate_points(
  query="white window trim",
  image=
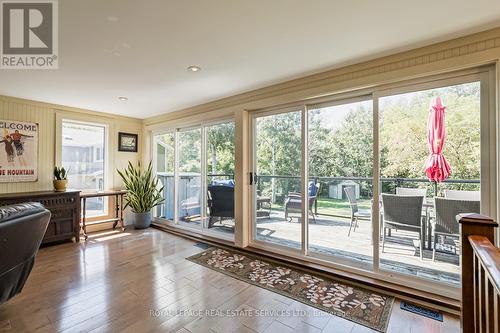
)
(108, 161)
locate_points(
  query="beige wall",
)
(45, 115)
(48, 116)
(462, 53)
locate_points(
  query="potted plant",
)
(60, 179)
(143, 193)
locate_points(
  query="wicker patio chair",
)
(444, 222)
(462, 195)
(411, 191)
(220, 203)
(414, 192)
(293, 202)
(350, 192)
(403, 212)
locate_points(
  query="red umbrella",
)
(437, 168)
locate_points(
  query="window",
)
(219, 148)
(83, 155)
(189, 177)
(196, 169)
(420, 249)
(360, 182)
(340, 137)
(165, 155)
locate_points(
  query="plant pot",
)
(60, 185)
(142, 220)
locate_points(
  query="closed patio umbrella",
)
(437, 168)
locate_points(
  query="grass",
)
(333, 206)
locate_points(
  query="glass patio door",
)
(340, 188)
(277, 186)
(189, 193)
(219, 171)
(422, 241)
(195, 166)
(164, 157)
(336, 180)
(315, 198)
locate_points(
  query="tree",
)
(279, 150)
(220, 149)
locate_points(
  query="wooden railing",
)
(480, 261)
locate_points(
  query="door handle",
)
(253, 178)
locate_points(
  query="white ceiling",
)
(140, 49)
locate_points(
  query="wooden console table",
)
(118, 212)
(64, 207)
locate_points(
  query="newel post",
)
(471, 224)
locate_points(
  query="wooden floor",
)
(139, 281)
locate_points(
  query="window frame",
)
(183, 127)
(61, 118)
(489, 151)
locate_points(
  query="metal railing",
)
(388, 185)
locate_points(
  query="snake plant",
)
(60, 173)
(143, 192)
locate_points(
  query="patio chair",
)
(462, 195)
(220, 203)
(414, 192)
(402, 212)
(444, 222)
(350, 192)
(411, 191)
(293, 202)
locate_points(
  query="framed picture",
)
(18, 151)
(127, 142)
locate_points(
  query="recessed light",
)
(123, 98)
(194, 68)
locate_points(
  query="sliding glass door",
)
(323, 207)
(434, 130)
(189, 177)
(373, 183)
(277, 208)
(164, 155)
(340, 188)
(219, 166)
(195, 166)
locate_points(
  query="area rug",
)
(353, 303)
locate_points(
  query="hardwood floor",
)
(139, 281)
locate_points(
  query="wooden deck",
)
(329, 236)
(116, 281)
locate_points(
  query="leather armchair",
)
(22, 227)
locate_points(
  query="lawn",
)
(334, 207)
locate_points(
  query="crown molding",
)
(65, 109)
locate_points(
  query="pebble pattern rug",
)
(353, 303)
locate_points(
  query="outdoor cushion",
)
(229, 182)
(313, 189)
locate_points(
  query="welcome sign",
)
(18, 151)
